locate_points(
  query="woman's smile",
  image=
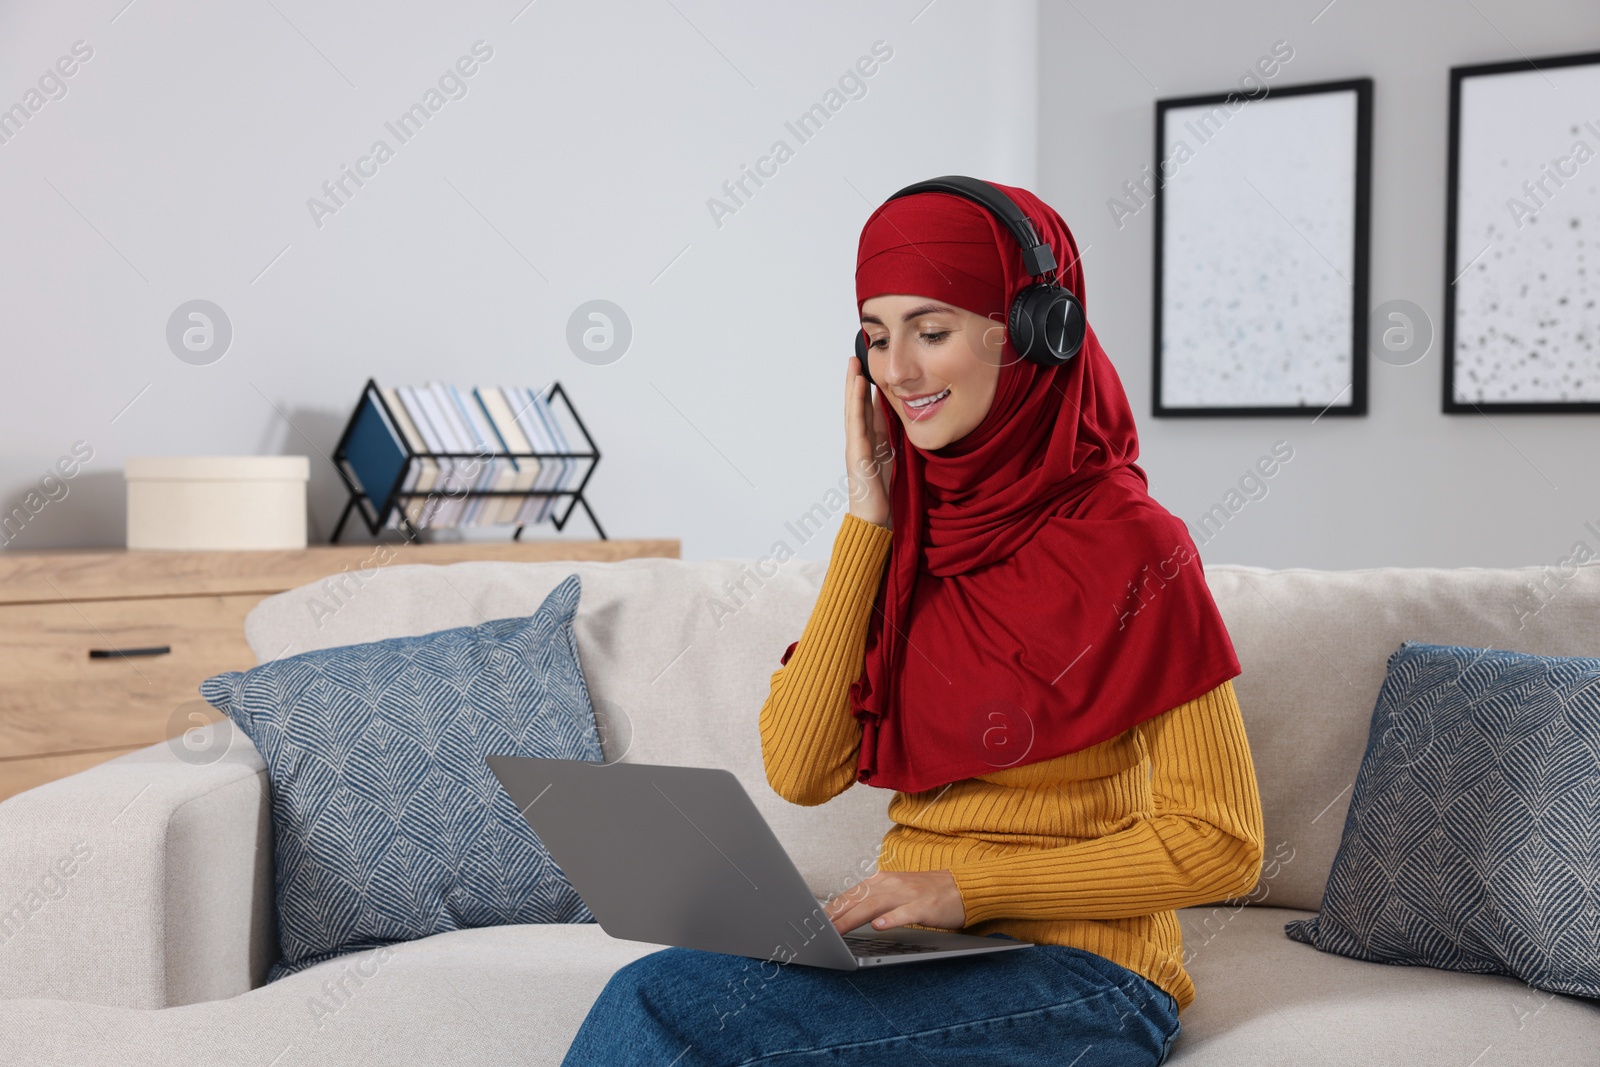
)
(927, 406)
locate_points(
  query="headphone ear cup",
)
(861, 354)
(1047, 324)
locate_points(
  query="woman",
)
(1017, 640)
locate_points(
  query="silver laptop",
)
(680, 856)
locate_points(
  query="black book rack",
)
(375, 513)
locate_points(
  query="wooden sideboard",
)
(63, 709)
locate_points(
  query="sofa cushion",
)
(1261, 998)
(1312, 645)
(1471, 843)
(387, 823)
(488, 997)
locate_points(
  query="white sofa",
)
(137, 922)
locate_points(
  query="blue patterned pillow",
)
(387, 823)
(1473, 837)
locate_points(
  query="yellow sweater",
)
(1094, 849)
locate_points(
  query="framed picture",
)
(1262, 207)
(1522, 246)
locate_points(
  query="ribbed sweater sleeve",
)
(1202, 842)
(809, 738)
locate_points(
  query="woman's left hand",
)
(894, 898)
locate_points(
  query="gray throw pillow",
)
(387, 823)
(1473, 837)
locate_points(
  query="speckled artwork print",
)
(1258, 253)
(1528, 215)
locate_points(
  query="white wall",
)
(578, 165)
(179, 163)
(1406, 485)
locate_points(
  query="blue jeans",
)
(1048, 1004)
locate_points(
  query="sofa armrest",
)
(144, 882)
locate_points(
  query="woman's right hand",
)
(868, 455)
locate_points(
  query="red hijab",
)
(1036, 601)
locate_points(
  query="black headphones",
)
(1047, 323)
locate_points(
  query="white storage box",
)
(216, 502)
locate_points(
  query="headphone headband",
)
(1046, 322)
(1036, 255)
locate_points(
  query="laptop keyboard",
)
(877, 946)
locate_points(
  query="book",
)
(424, 471)
(419, 418)
(428, 418)
(375, 454)
(502, 472)
(512, 439)
(537, 508)
(442, 410)
(474, 469)
(569, 467)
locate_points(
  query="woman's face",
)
(919, 348)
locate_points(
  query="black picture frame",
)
(1449, 405)
(1359, 242)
